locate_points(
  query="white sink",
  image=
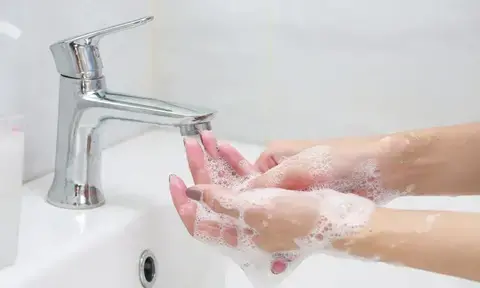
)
(101, 248)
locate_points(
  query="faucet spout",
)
(147, 110)
(85, 105)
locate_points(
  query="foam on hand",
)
(221, 173)
(338, 214)
(347, 172)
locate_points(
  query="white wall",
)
(295, 69)
(320, 68)
(28, 78)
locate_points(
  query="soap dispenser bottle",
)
(11, 182)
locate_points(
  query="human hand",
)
(223, 165)
(349, 166)
(281, 224)
(219, 164)
(277, 151)
(279, 220)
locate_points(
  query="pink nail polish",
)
(278, 266)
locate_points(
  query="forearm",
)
(434, 161)
(437, 161)
(441, 242)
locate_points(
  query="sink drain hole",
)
(147, 269)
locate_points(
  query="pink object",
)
(279, 266)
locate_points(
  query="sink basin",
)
(102, 247)
(107, 255)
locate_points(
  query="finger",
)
(236, 160)
(210, 143)
(218, 232)
(196, 161)
(230, 236)
(279, 266)
(265, 162)
(217, 198)
(186, 208)
(209, 229)
(291, 177)
(281, 262)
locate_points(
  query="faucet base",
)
(82, 197)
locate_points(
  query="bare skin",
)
(437, 161)
(437, 241)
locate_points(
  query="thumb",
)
(215, 197)
(269, 159)
(286, 176)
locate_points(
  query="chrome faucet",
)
(85, 104)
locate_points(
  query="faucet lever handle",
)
(78, 57)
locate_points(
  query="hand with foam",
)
(277, 151)
(345, 166)
(225, 166)
(272, 223)
(278, 220)
(221, 164)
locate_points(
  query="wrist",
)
(397, 157)
(377, 231)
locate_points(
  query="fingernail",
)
(194, 193)
(278, 266)
(206, 133)
(171, 178)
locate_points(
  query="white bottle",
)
(11, 181)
